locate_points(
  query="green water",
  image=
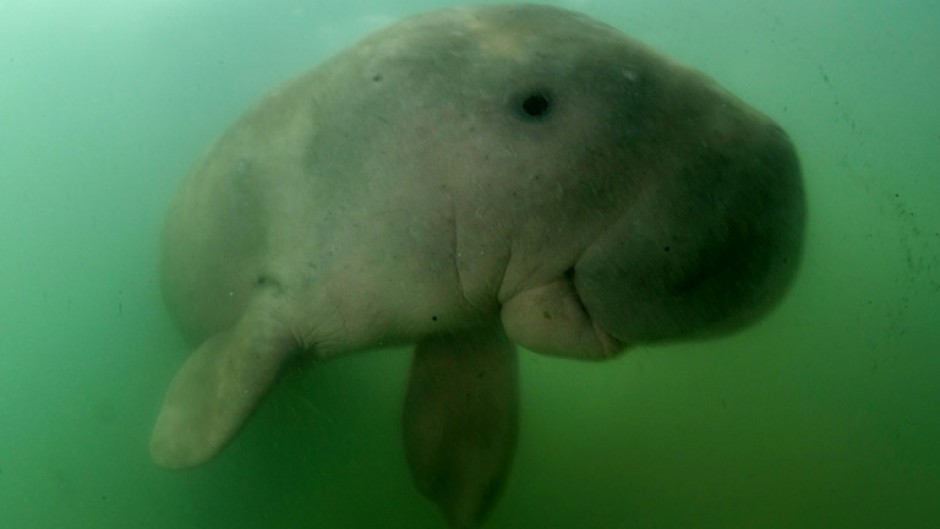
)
(825, 415)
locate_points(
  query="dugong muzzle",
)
(468, 180)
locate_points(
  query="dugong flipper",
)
(220, 384)
(470, 180)
(461, 419)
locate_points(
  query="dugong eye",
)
(535, 105)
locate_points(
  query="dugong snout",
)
(710, 247)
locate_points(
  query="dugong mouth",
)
(552, 319)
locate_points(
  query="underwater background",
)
(824, 415)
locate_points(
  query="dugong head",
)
(607, 195)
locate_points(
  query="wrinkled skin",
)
(469, 180)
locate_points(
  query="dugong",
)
(470, 180)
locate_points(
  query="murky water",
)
(824, 415)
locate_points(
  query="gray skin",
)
(468, 180)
